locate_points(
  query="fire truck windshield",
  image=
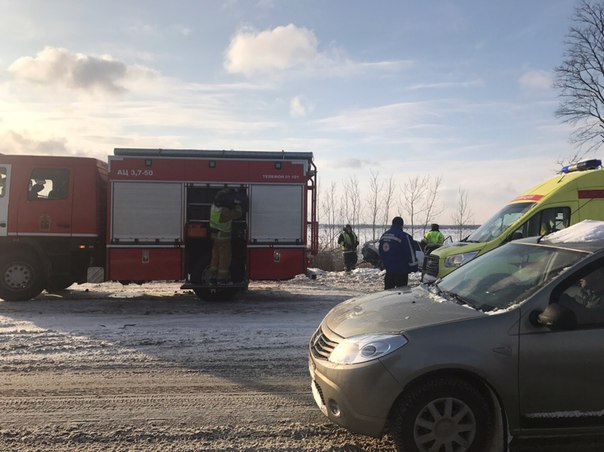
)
(499, 222)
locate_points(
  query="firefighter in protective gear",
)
(349, 242)
(225, 209)
(433, 239)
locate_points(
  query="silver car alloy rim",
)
(444, 425)
(18, 276)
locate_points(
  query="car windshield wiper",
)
(458, 299)
(434, 289)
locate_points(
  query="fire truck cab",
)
(52, 222)
(145, 216)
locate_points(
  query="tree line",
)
(416, 199)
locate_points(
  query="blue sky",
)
(454, 89)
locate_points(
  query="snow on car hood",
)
(585, 231)
(394, 311)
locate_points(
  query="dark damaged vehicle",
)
(510, 343)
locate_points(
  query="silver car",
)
(512, 342)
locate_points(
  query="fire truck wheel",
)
(219, 294)
(58, 285)
(21, 277)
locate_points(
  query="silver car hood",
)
(394, 311)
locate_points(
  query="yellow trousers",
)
(221, 257)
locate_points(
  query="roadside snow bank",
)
(365, 279)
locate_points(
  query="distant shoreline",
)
(415, 226)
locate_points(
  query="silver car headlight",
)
(455, 260)
(360, 349)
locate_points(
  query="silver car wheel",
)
(445, 424)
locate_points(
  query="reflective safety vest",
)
(434, 238)
(215, 223)
(348, 241)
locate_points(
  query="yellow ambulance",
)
(576, 194)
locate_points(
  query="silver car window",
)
(584, 295)
(507, 275)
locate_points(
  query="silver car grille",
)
(321, 345)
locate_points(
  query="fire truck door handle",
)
(63, 225)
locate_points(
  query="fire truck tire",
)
(58, 285)
(218, 294)
(21, 277)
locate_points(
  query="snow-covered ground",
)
(152, 368)
(109, 321)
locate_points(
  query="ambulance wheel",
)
(217, 294)
(21, 277)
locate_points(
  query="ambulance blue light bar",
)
(582, 166)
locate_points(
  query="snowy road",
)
(107, 367)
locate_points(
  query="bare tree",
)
(387, 199)
(580, 78)
(463, 214)
(413, 198)
(432, 207)
(373, 201)
(329, 215)
(351, 201)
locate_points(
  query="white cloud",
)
(266, 4)
(143, 29)
(59, 67)
(299, 107)
(353, 163)
(536, 80)
(282, 48)
(19, 143)
(445, 85)
(155, 112)
(377, 120)
(290, 47)
(183, 30)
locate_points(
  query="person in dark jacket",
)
(398, 255)
(349, 242)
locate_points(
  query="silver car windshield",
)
(499, 222)
(506, 276)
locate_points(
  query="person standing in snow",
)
(398, 255)
(433, 239)
(349, 242)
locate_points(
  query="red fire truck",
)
(144, 216)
